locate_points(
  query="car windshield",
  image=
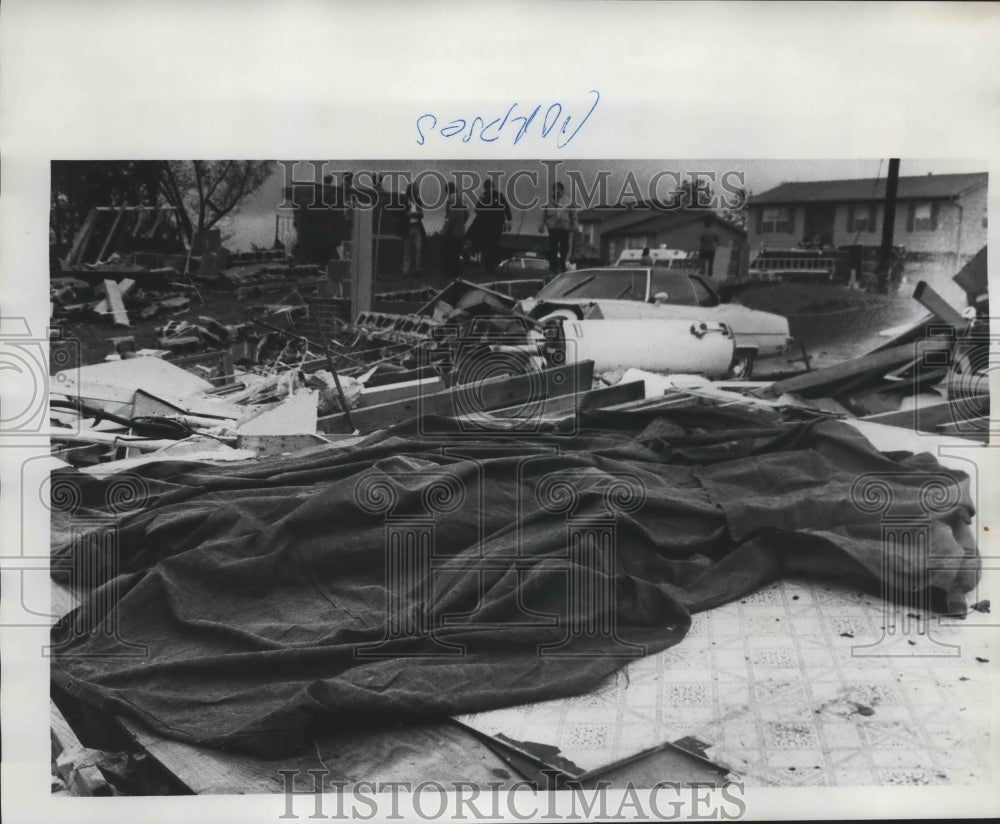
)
(682, 289)
(597, 284)
(676, 285)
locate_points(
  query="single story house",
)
(938, 217)
(681, 230)
(593, 225)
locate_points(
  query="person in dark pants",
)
(455, 215)
(413, 227)
(491, 221)
(708, 242)
(558, 218)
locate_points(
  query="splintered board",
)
(833, 379)
(531, 389)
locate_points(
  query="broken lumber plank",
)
(938, 306)
(111, 233)
(385, 393)
(114, 298)
(75, 763)
(469, 398)
(92, 436)
(975, 429)
(831, 379)
(972, 277)
(611, 395)
(928, 418)
(267, 445)
(566, 405)
(80, 241)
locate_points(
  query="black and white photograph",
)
(515, 468)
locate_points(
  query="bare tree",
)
(205, 191)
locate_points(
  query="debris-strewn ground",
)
(833, 322)
(92, 337)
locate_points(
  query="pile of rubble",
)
(119, 302)
(283, 381)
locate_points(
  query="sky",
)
(255, 224)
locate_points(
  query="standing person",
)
(413, 239)
(558, 217)
(646, 259)
(492, 220)
(708, 242)
(455, 215)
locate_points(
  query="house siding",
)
(943, 242)
(609, 221)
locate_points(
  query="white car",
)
(646, 293)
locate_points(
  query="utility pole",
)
(362, 263)
(888, 225)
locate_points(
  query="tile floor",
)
(795, 685)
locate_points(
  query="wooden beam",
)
(832, 378)
(479, 397)
(81, 239)
(110, 235)
(928, 418)
(76, 764)
(975, 429)
(115, 303)
(389, 392)
(566, 405)
(938, 306)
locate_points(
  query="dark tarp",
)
(253, 586)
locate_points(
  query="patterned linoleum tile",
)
(798, 684)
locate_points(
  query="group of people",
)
(492, 219)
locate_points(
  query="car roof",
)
(615, 270)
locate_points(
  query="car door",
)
(762, 331)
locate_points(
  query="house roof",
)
(639, 210)
(924, 187)
(666, 221)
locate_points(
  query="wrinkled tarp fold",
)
(423, 575)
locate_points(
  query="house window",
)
(922, 217)
(773, 219)
(636, 242)
(861, 218)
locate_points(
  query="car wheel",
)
(742, 367)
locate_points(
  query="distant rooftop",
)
(665, 221)
(923, 187)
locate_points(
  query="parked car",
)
(517, 267)
(660, 292)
